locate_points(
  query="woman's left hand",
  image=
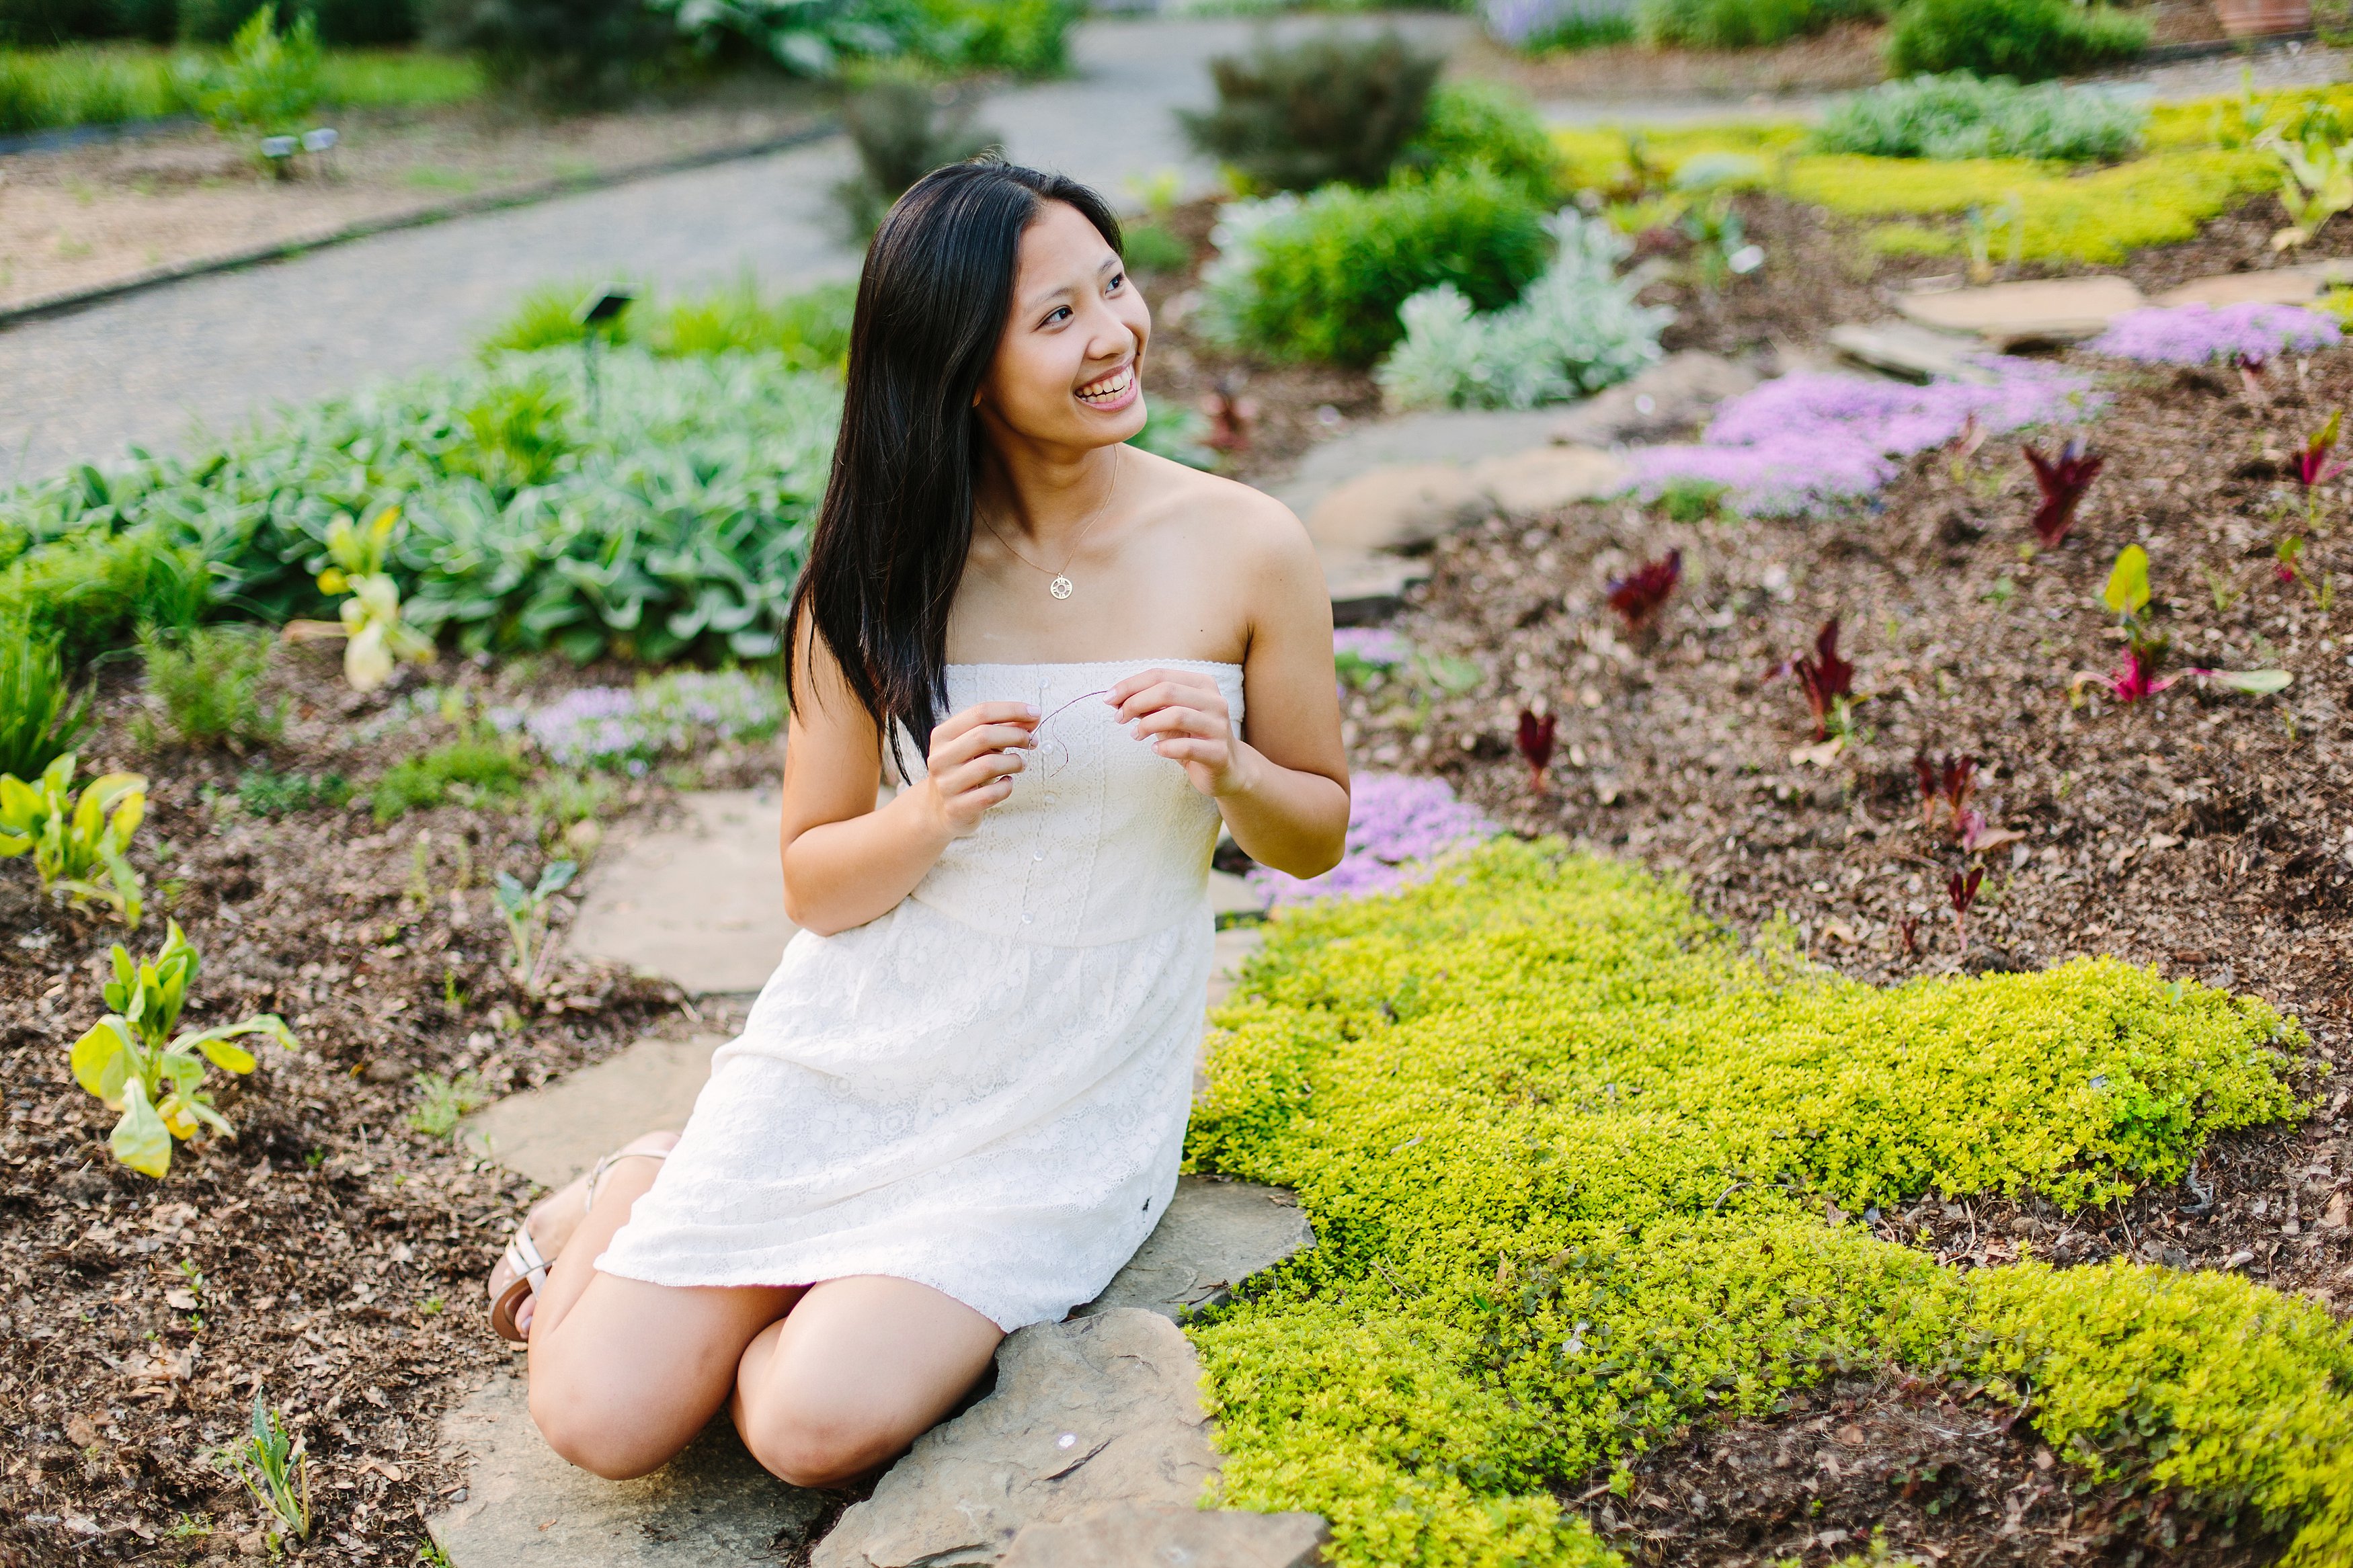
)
(1183, 714)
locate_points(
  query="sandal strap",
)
(524, 1257)
(597, 1177)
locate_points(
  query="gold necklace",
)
(1061, 587)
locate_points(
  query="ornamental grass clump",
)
(1397, 825)
(2205, 334)
(1811, 441)
(1581, 1170)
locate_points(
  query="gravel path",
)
(216, 351)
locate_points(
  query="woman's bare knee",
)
(814, 1446)
(598, 1434)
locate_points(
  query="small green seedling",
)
(78, 843)
(526, 915)
(130, 1059)
(275, 1471)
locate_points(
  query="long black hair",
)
(896, 523)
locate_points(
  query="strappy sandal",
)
(528, 1266)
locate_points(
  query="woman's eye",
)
(1056, 314)
(1117, 279)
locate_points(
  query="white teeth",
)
(1112, 387)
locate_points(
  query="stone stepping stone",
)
(1197, 1537)
(1664, 403)
(711, 1506)
(701, 904)
(1368, 587)
(1453, 437)
(1215, 1235)
(2008, 314)
(1911, 350)
(1407, 506)
(2297, 285)
(553, 1132)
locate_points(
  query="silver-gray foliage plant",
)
(1574, 331)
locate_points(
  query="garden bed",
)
(103, 214)
(332, 1255)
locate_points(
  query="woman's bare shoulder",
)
(1247, 523)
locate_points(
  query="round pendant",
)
(1059, 588)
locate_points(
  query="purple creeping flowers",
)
(2200, 334)
(1812, 439)
(605, 726)
(1395, 823)
(1371, 645)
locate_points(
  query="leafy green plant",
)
(2028, 40)
(275, 1471)
(443, 1102)
(38, 722)
(1322, 278)
(1027, 38)
(419, 783)
(1960, 116)
(526, 910)
(79, 845)
(808, 330)
(267, 83)
(1741, 24)
(807, 37)
(265, 793)
(1485, 125)
(2318, 184)
(207, 681)
(85, 585)
(1332, 108)
(132, 1061)
(372, 628)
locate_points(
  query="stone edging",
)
(66, 301)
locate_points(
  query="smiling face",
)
(1067, 372)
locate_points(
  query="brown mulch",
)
(1917, 1471)
(1849, 56)
(330, 1257)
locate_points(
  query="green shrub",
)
(265, 793)
(1148, 247)
(1581, 1171)
(206, 682)
(88, 588)
(38, 723)
(1576, 26)
(1322, 278)
(1959, 116)
(1741, 24)
(487, 769)
(559, 52)
(1479, 123)
(267, 83)
(1028, 37)
(2030, 40)
(45, 88)
(1330, 108)
(902, 126)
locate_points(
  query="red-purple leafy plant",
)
(1535, 740)
(2062, 480)
(1642, 594)
(1962, 891)
(2128, 593)
(1946, 782)
(1829, 683)
(1907, 930)
(2317, 464)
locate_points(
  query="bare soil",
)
(107, 213)
(1849, 56)
(330, 1258)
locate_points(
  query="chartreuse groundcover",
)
(1579, 1167)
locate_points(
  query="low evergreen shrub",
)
(266, 793)
(903, 125)
(1742, 24)
(1027, 38)
(485, 769)
(204, 683)
(1295, 117)
(1322, 278)
(1959, 116)
(1581, 1173)
(2030, 40)
(1551, 27)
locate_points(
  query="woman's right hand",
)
(972, 757)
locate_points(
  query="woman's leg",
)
(624, 1374)
(862, 1367)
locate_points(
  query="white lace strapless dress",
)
(983, 1091)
